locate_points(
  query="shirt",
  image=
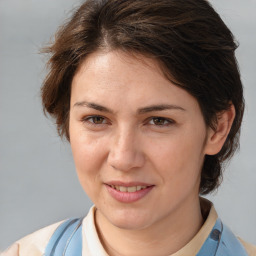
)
(35, 243)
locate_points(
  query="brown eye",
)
(159, 121)
(94, 120)
(97, 119)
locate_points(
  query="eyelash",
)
(87, 120)
(167, 121)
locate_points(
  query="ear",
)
(217, 137)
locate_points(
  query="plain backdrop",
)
(38, 183)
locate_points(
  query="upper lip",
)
(127, 184)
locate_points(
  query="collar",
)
(92, 245)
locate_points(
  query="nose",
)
(125, 153)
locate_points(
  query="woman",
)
(149, 96)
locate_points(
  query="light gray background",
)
(38, 183)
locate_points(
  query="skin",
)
(116, 135)
(12, 251)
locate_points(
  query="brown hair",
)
(187, 37)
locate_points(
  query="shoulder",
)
(35, 243)
(251, 249)
(236, 246)
(229, 241)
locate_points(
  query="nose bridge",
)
(125, 152)
(125, 139)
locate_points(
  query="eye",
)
(95, 120)
(160, 121)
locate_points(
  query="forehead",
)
(102, 63)
(117, 77)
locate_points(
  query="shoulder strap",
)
(222, 242)
(230, 245)
(66, 240)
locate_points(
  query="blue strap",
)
(222, 242)
(210, 246)
(229, 244)
(66, 240)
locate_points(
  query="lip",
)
(128, 197)
(127, 184)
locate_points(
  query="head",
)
(193, 47)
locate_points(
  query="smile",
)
(128, 189)
(128, 193)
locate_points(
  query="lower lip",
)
(128, 197)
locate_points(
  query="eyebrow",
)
(160, 107)
(143, 110)
(93, 106)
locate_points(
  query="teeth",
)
(131, 189)
(128, 189)
(123, 189)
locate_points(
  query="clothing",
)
(36, 243)
(67, 240)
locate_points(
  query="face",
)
(138, 141)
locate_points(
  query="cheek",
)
(84, 150)
(179, 159)
(89, 155)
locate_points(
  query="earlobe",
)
(217, 137)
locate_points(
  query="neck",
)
(163, 238)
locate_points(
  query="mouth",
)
(128, 192)
(130, 189)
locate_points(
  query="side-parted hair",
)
(189, 40)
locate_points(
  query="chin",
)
(129, 224)
(130, 219)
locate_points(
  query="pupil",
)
(97, 120)
(159, 121)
